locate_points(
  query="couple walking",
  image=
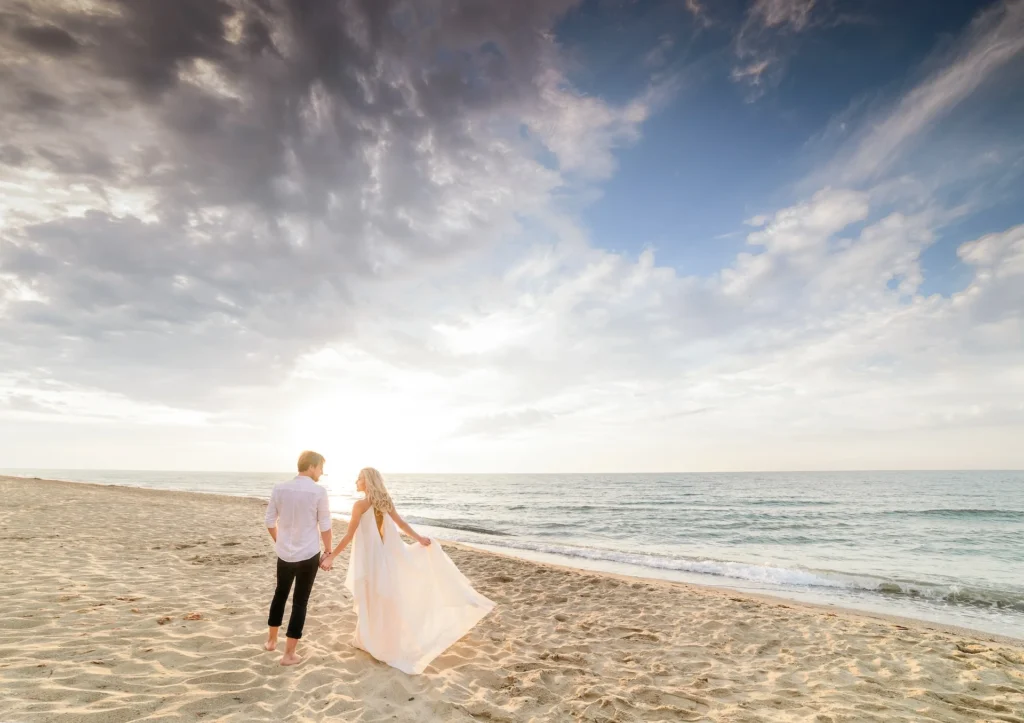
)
(411, 601)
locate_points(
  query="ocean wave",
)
(984, 513)
(961, 595)
(457, 525)
(630, 507)
(740, 504)
(719, 568)
(955, 595)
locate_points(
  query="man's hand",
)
(326, 562)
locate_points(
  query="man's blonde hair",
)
(309, 460)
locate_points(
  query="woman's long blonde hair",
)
(376, 493)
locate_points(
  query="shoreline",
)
(769, 596)
(125, 603)
(568, 566)
(867, 615)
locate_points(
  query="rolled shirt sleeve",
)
(323, 512)
(271, 518)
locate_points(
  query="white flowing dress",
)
(411, 601)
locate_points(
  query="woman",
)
(411, 601)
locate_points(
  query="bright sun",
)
(356, 428)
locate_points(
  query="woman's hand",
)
(327, 562)
(425, 541)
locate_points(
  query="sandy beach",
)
(121, 604)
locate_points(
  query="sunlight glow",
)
(356, 428)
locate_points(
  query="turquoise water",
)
(940, 546)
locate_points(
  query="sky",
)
(541, 236)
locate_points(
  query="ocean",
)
(946, 547)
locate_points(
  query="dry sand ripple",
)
(121, 604)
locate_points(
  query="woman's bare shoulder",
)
(360, 507)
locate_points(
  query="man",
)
(298, 518)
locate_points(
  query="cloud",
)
(794, 15)
(602, 351)
(699, 12)
(195, 189)
(770, 34)
(996, 294)
(47, 39)
(994, 39)
(658, 55)
(761, 44)
(498, 425)
(67, 405)
(818, 331)
(583, 131)
(752, 72)
(347, 226)
(808, 225)
(28, 403)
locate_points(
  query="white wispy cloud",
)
(993, 40)
(761, 44)
(658, 55)
(792, 14)
(699, 12)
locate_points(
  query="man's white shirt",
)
(300, 510)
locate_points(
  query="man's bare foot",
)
(291, 659)
(270, 645)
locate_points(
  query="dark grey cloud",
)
(214, 179)
(47, 39)
(162, 35)
(12, 155)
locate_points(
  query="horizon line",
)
(4, 470)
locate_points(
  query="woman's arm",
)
(358, 509)
(404, 527)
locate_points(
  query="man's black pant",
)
(303, 573)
